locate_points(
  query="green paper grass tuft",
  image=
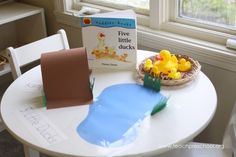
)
(44, 101)
(158, 107)
(153, 83)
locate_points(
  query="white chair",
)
(26, 54)
(31, 52)
(195, 149)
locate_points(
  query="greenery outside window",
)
(212, 15)
(214, 12)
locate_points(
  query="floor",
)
(9, 147)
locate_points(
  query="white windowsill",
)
(206, 52)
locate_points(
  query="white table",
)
(190, 109)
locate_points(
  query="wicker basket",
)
(186, 76)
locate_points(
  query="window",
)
(217, 15)
(140, 6)
(213, 15)
(199, 28)
(214, 12)
(208, 20)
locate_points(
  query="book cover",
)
(110, 39)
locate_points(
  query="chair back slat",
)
(31, 52)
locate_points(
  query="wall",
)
(223, 80)
(52, 25)
(48, 6)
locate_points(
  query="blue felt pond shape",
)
(113, 118)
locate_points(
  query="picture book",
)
(110, 39)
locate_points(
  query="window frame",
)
(210, 29)
(118, 6)
(162, 32)
(167, 20)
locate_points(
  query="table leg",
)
(30, 152)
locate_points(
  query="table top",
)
(189, 110)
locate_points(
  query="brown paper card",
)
(65, 77)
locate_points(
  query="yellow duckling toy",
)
(168, 61)
(174, 61)
(174, 74)
(184, 65)
(165, 55)
(163, 64)
(155, 71)
(156, 63)
(148, 65)
(164, 67)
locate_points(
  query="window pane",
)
(142, 4)
(213, 11)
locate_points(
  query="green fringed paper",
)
(162, 103)
(153, 83)
(44, 101)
